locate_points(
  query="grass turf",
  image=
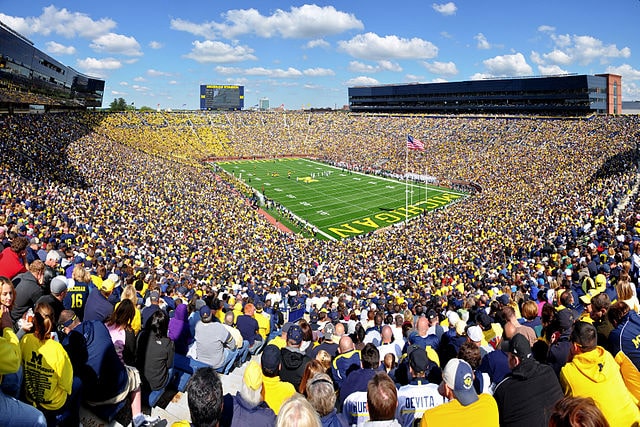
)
(338, 203)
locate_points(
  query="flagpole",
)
(426, 190)
(406, 183)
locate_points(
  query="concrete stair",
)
(171, 407)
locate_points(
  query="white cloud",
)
(61, 22)
(482, 41)
(382, 65)
(155, 45)
(139, 79)
(445, 8)
(505, 65)
(389, 66)
(548, 70)
(626, 71)
(630, 92)
(273, 73)
(228, 70)
(317, 43)
(558, 57)
(124, 83)
(139, 88)
(306, 21)
(441, 68)
(361, 81)
(155, 73)
(203, 30)
(98, 67)
(582, 50)
(118, 93)
(546, 29)
(266, 72)
(373, 47)
(59, 49)
(413, 78)
(359, 67)
(318, 72)
(173, 82)
(439, 80)
(219, 52)
(116, 44)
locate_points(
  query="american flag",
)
(414, 143)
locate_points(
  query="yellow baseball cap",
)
(253, 375)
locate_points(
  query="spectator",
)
(58, 288)
(105, 380)
(293, 359)
(214, 344)
(13, 259)
(247, 407)
(28, 289)
(328, 343)
(296, 412)
(119, 326)
(275, 390)
(204, 398)
(592, 372)
(600, 304)
(48, 374)
(358, 379)
(382, 400)
(13, 411)
(322, 398)
(155, 357)
(626, 324)
(348, 360)
(577, 412)
(313, 367)
(420, 394)
(78, 292)
(179, 331)
(465, 405)
(528, 394)
(98, 306)
(249, 328)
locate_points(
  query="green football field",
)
(336, 202)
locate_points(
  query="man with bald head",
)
(421, 336)
(346, 361)
(358, 379)
(340, 331)
(388, 344)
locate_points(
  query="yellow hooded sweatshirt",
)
(596, 374)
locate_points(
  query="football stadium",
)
(383, 264)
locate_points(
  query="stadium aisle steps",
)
(177, 409)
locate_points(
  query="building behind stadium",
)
(565, 95)
(31, 80)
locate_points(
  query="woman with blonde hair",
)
(297, 412)
(312, 368)
(625, 293)
(48, 373)
(77, 294)
(129, 292)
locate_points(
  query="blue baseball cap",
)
(458, 376)
(295, 334)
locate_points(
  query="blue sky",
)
(308, 54)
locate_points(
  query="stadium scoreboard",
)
(221, 97)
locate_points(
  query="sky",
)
(307, 55)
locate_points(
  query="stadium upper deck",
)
(571, 95)
(30, 76)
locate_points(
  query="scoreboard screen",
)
(221, 97)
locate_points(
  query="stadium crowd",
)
(131, 268)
